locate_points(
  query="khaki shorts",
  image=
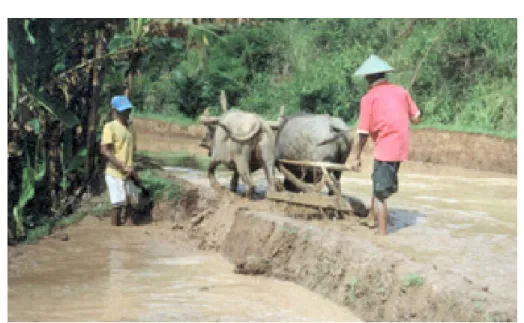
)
(120, 191)
(385, 179)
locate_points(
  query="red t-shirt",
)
(385, 112)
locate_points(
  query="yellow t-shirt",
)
(123, 140)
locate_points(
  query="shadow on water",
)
(400, 219)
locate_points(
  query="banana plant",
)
(136, 28)
(14, 82)
(31, 176)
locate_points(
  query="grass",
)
(351, 287)
(177, 159)
(178, 118)
(457, 128)
(467, 129)
(185, 121)
(413, 280)
(46, 228)
(160, 187)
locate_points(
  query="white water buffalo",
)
(244, 143)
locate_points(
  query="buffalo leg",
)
(242, 165)
(211, 174)
(269, 170)
(234, 181)
(336, 180)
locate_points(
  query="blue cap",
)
(120, 103)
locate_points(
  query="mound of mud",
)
(375, 283)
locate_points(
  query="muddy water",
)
(458, 220)
(147, 273)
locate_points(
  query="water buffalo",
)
(312, 137)
(244, 143)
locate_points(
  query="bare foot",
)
(369, 221)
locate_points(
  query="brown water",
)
(147, 273)
(456, 219)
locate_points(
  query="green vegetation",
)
(351, 288)
(40, 231)
(413, 280)
(179, 118)
(160, 187)
(177, 159)
(461, 72)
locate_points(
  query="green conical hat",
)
(373, 65)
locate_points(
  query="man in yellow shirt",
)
(118, 145)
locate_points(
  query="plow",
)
(311, 195)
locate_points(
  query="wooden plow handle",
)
(328, 165)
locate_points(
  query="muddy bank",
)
(466, 150)
(375, 283)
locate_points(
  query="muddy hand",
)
(129, 173)
(357, 163)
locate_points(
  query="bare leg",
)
(382, 214)
(129, 220)
(115, 215)
(372, 215)
(211, 174)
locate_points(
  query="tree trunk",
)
(134, 62)
(93, 108)
(54, 166)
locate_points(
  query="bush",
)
(460, 71)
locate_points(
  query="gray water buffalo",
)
(311, 137)
(244, 143)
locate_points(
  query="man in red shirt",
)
(385, 113)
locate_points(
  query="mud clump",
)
(253, 266)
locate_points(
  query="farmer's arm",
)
(362, 140)
(135, 176)
(362, 130)
(414, 112)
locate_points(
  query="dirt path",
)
(146, 273)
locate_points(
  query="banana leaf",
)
(77, 162)
(68, 118)
(26, 195)
(14, 81)
(35, 125)
(30, 36)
